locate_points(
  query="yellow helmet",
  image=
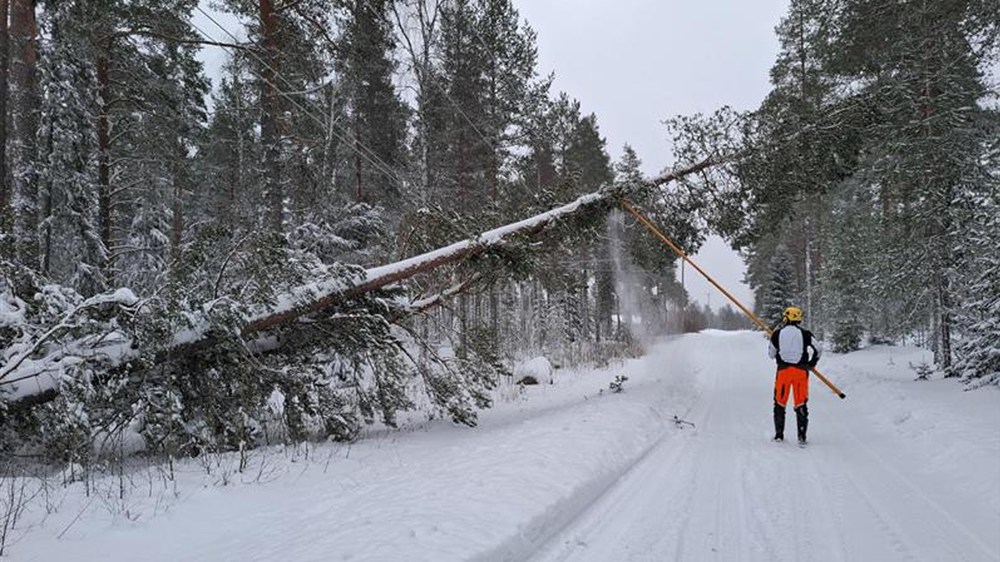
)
(792, 314)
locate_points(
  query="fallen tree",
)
(312, 308)
(313, 299)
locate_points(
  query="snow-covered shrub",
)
(846, 336)
(160, 420)
(66, 429)
(923, 371)
(537, 369)
(618, 385)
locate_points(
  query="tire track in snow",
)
(736, 496)
(885, 523)
(832, 519)
(692, 479)
(671, 455)
(896, 485)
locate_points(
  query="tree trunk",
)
(47, 194)
(4, 65)
(359, 197)
(271, 114)
(25, 106)
(104, 152)
(177, 220)
(944, 325)
(231, 213)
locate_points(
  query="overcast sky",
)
(637, 62)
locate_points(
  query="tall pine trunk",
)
(176, 204)
(104, 150)
(4, 65)
(25, 106)
(47, 194)
(271, 105)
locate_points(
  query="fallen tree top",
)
(323, 295)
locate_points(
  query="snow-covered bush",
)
(618, 385)
(538, 369)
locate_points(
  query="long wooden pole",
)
(756, 319)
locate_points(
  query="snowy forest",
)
(869, 175)
(383, 204)
(176, 258)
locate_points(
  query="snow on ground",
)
(901, 470)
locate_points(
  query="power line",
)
(371, 157)
(367, 5)
(381, 165)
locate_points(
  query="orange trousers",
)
(791, 379)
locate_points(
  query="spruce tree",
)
(72, 250)
(844, 273)
(376, 116)
(979, 351)
(779, 289)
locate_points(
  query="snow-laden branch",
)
(434, 300)
(122, 296)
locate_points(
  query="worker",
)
(790, 345)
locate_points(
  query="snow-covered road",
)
(727, 493)
(899, 471)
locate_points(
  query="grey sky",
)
(637, 62)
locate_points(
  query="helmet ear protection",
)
(792, 314)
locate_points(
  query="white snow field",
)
(901, 470)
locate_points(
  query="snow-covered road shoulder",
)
(434, 492)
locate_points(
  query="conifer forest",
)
(377, 212)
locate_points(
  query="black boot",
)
(779, 422)
(802, 420)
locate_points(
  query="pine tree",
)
(25, 105)
(230, 149)
(4, 93)
(509, 71)
(927, 80)
(463, 87)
